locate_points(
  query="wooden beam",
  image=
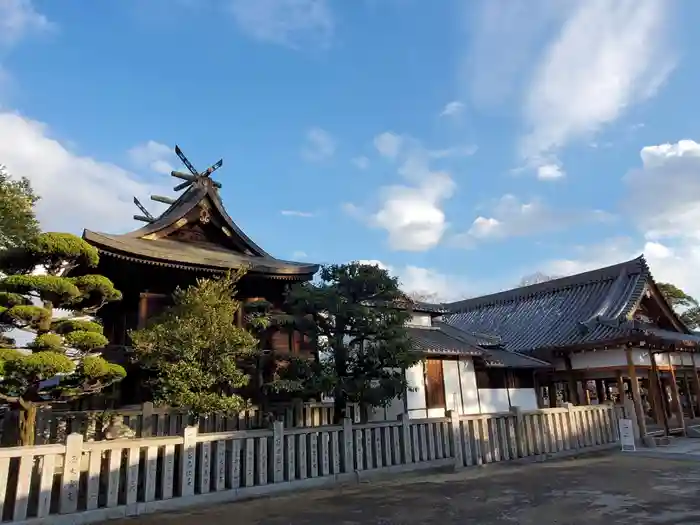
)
(636, 394)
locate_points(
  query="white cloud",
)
(296, 213)
(504, 40)
(663, 201)
(320, 145)
(76, 191)
(512, 217)
(388, 144)
(664, 194)
(298, 254)
(425, 281)
(18, 18)
(410, 213)
(361, 162)
(550, 172)
(452, 109)
(606, 57)
(154, 156)
(292, 23)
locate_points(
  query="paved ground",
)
(594, 490)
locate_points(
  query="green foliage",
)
(82, 371)
(7, 354)
(95, 290)
(47, 342)
(195, 348)
(18, 224)
(27, 371)
(360, 330)
(26, 316)
(52, 288)
(685, 305)
(65, 326)
(85, 341)
(9, 299)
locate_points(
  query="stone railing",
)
(83, 482)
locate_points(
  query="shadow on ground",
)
(594, 490)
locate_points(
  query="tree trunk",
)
(340, 404)
(27, 423)
(340, 401)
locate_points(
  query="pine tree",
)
(360, 327)
(195, 352)
(67, 347)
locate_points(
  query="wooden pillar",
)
(600, 390)
(573, 390)
(675, 394)
(552, 391)
(620, 387)
(143, 310)
(686, 387)
(538, 391)
(696, 382)
(636, 394)
(655, 394)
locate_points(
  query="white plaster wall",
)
(467, 381)
(614, 357)
(493, 400)
(415, 397)
(525, 398)
(453, 388)
(420, 319)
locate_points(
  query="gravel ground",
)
(594, 490)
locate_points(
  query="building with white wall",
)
(462, 372)
(608, 333)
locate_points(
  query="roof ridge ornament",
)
(194, 175)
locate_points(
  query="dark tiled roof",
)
(432, 340)
(559, 313)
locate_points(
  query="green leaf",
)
(47, 343)
(18, 223)
(85, 341)
(23, 315)
(194, 348)
(47, 287)
(64, 326)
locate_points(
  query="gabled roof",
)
(154, 243)
(578, 310)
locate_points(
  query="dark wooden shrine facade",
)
(193, 238)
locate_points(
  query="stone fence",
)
(84, 482)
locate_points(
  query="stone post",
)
(456, 435)
(519, 432)
(348, 445)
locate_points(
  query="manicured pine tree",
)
(63, 347)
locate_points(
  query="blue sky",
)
(463, 145)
